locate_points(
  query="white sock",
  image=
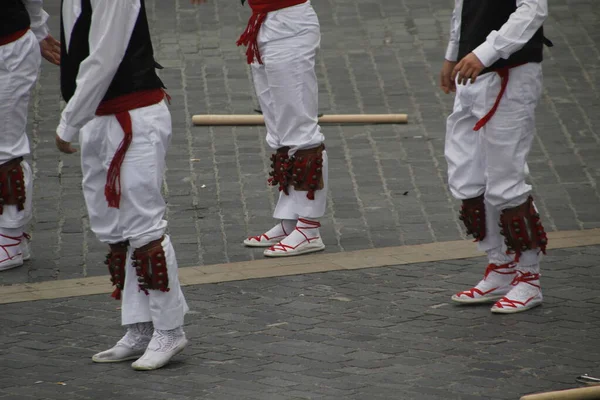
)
(282, 229)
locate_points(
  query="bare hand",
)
(50, 49)
(448, 85)
(197, 1)
(64, 147)
(468, 68)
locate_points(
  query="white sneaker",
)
(10, 252)
(272, 236)
(526, 294)
(495, 284)
(163, 346)
(130, 347)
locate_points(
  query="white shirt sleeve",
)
(111, 28)
(515, 33)
(38, 18)
(452, 50)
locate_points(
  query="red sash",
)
(120, 107)
(504, 73)
(260, 9)
(13, 37)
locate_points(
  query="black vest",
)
(136, 71)
(13, 17)
(481, 17)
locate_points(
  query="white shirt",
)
(112, 24)
(38, 18)
(512, 36)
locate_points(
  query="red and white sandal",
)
(11, 255)
(526, 294)
(304, 239)
(495, 284)
(268, 239)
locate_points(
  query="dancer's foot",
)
(525, 294)
(163, 346)
(273, 236)
(130, 347)
(495, 284)
(10, 250)
(306, 238)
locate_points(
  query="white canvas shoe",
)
(163, 346)
(495, 284)
(525, 294)
(130, 347)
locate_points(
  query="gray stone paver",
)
(383, 333)
(388, 182)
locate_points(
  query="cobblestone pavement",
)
(382, 333)
(388, 184)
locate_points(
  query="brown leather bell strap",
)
(12, 184)
(116, 260)
(151, 267)
(472, 214)
(280, 169)
(307, 170)
(523, 229)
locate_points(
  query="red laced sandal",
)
(526, 294)
(304, 239)
(495, 284)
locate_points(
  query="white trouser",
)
(493, 160)
(287, 90)
(19, 66)
(139, 219)
(166, 310)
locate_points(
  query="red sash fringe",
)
(120, 107)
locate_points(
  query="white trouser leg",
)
(296, 204)
(493, 243)
(288, 43)
(287, 88)
(493, 160)
(19, 66)
(135, 307)
(463, 148)
(99, 140)
(139, 219)
(263, 94)
(508, 136)
(166, 310)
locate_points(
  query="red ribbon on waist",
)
(13, 37)
(260, 9)
(120, 107)
(504, 75)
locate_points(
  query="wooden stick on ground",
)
(585, 393)
(251, 119)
